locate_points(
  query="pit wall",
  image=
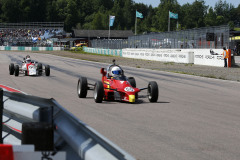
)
(208, 57)
(19, 48)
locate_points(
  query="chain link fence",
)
(208, 37)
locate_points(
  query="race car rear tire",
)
(132, 81)
(82, 87)
(11, 69)
(47, 70)
(16, 70)
(39, 68)
(152, 91)
(98, 92)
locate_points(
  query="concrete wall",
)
(203, 57)
(209, 57)
(164, 55)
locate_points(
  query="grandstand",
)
(30, 33)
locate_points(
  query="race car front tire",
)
(16, 70)
(98, 92)
(11, 69)
(82, 87)
(152, 91)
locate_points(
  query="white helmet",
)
(116, 71)
(28, 60)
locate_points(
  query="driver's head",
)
(27, 56)
(28, 60)
(116, 71)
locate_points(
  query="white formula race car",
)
(29, 68)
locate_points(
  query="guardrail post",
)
(41, 133)
(46, 114)
(1, 114)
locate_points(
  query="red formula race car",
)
(115, 86)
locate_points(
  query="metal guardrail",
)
(71, 135)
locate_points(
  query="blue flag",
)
(111, 20)
(139, 15)
(173, 15)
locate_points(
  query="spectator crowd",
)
(13, 37)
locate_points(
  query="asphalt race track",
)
(194, 119)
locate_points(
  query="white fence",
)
(209, 57)
(204, 57)
(164, 55)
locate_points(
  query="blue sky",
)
(212, 3)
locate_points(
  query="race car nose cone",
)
(132, 98)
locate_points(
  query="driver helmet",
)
(28, 60)
(27, 56)
(116, 71)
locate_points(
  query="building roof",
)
(103, 33)
(234, 33)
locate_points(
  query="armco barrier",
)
(20, 48)
(79, 141)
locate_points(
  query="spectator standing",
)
(225, 56)
(235, 51)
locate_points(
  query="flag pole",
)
(136, 24)
(109, 28)
(177, 25)
(168, 21)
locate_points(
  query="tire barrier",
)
(78, 140)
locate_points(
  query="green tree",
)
(10, 11)
(162, 14)
(194, 14)
(210, 18)
(220, 20)
(141, 22)
(117, 11)
(98, 21)
(231, 25)
(128, 14)
(224, 9)
(237, 20)
(52, 12)
(71, 18)
(147, 25)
